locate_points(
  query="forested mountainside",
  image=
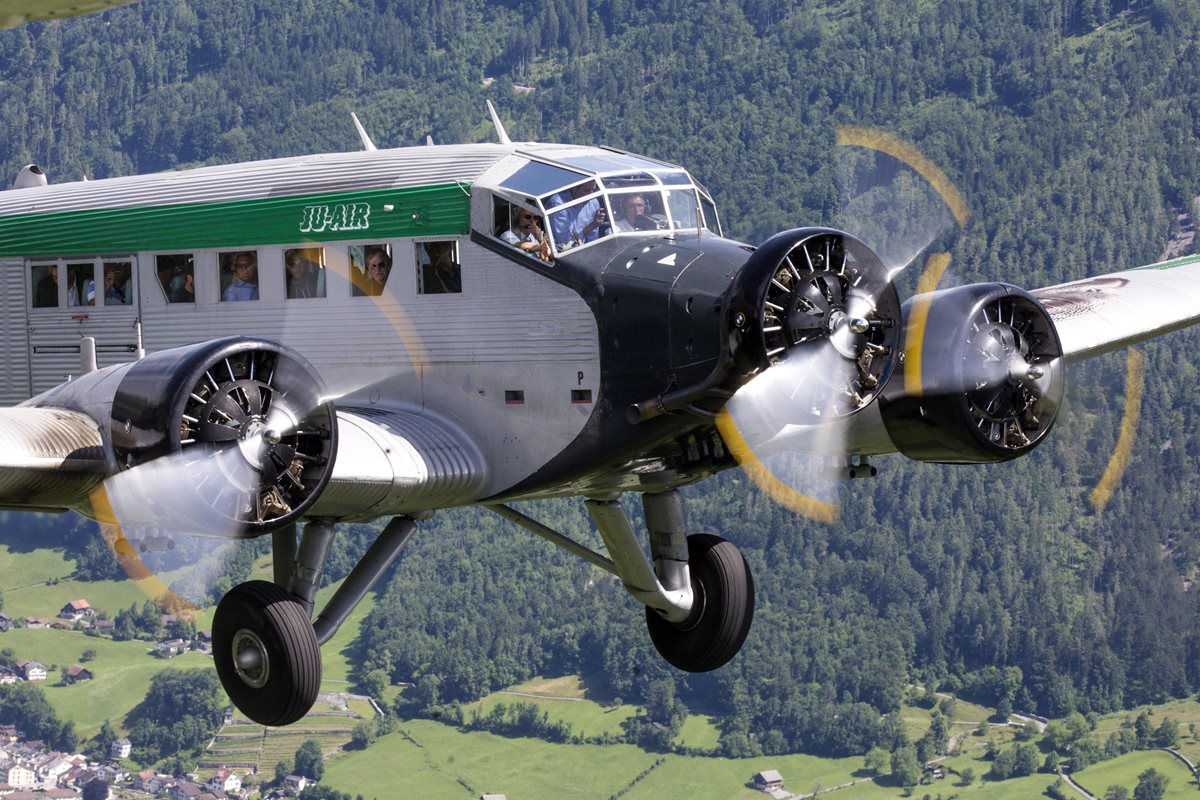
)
(1070, 127)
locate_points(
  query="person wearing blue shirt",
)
(578, 224)
(245, 278)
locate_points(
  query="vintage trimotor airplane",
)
(386, 333)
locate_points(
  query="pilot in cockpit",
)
(525, 233)
(634, 215)
(581, 223)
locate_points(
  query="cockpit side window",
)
(522, 228)
(684, 206)
(711, 221)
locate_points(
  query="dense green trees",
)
(25, 706)
(181, 712)
(310, 761)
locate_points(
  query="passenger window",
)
(370, 268)
(239, 275)
(304, 272)
(177, 276)
(81, 284)
(118, 283)
(438, 269)
(44, 280)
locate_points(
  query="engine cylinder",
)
(981, 378)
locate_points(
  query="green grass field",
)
(585, 717)
(123, 672)
(1124, 771)
(34, 584)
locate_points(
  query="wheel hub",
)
(250, 659)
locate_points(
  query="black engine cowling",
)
(810, 288)
(981, 379)
(232, 437)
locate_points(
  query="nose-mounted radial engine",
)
(817, 323)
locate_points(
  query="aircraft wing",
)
(51, 457)
(388, 462)
(1104, 313)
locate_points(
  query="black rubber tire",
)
(292, 676)
(721, 616)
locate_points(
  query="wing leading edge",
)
(1108, 312)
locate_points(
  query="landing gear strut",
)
(266, 651)
(698, 591)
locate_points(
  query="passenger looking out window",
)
(45, 285)
(371, 276)
(118, 285)
(81, 286)
(304, 272)
(239, 274)
(177, 275)
(440, 272)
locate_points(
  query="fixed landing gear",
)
(698, 591)
(266, 650)
(722, 609)
(266, 653)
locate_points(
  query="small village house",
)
(77, 674)
(224, 780)
(768, 780)
(76, 610)
(121, 748)
(32, 670)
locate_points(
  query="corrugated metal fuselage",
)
(535, 363)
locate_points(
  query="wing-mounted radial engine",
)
(818, 292)
(982, 379)
(232, 437)
(817, 324)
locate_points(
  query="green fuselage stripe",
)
(442, 210)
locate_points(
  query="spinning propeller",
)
(970, 374)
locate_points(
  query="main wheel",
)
(722, 610)
(266, 653)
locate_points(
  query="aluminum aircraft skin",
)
(275, 347)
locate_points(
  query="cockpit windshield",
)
(623, 195)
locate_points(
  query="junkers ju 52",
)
(271, 348)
